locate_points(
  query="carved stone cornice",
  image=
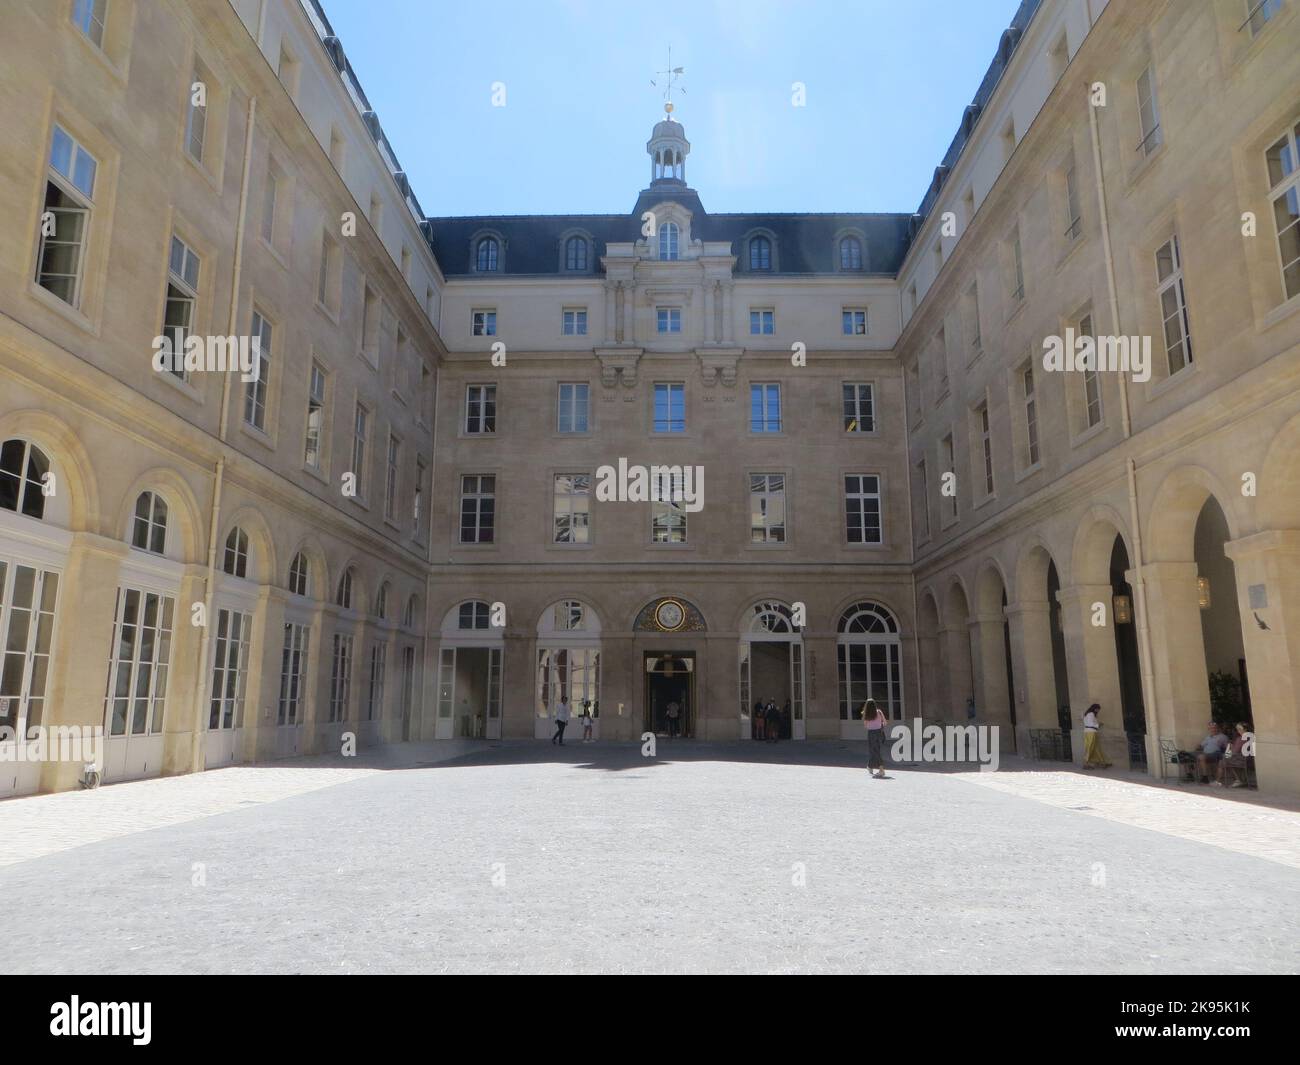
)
(719, 362)
(618, 364)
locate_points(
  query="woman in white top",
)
(1092, 756)
(874, 720)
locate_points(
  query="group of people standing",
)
(770, 723)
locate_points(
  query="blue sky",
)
(886, 85)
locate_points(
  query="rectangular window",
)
(668, 513)
(138, 662)
(196, 116)
(390, 477)
(767, 508)
(340, 677)
(1148, 113)
(1073, 222)
(764, 408)
(325, 278)
(950, 457)
(1031, 413)
(574, 401)
(986, 445)
(762, 322)
(378, 672)
(1173, 305)
(65, 218)
(575, 322)
(315, 416)
(255, 390)
(182, 297)
(481, 410)
(269, 194)
(27, 609)
(477, 508)
(484, 323)
(1283, 159)
(1091, 380)
(572, 510)
(669, 319)
(859, 408)
(862, 508)
(1017, 269)
(670, 408)
(417, 500)
(854, 322)
(89, 17)
(293, 673)
(923, 498)
(360, 441)
(230, 670)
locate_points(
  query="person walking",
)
(1092, 756)
(674, 713)
(561, 720)
(874, 720)
(586, 722)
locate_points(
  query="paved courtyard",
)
(710, 857)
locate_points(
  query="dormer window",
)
(575, 254)
(487, 256)
(760, 254)
(668, 238)
(850, 253)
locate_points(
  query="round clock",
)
(669, 614)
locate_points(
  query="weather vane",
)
(671, 75)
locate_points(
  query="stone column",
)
(261, 703)
(1180, 679)
(1093, 667)
(620, 673)
(988, 644)
(74, 692)
(728, 323)
(1268, 591)
(710, 320)
(188, 680)
(957, 650)
(629, 313)
(1031, 662)
(315, 706)
(610, 310)
(519, 685)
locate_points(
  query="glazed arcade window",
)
(23, 469)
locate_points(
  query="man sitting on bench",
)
(1211, 752)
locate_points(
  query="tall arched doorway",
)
(870, 653)
(1221, 636)
(469, 673)
(771, 670)
(568, 665)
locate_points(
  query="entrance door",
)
(772, 670)
(229, 677)
(669, 678)
(469, 693)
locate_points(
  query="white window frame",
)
(1169, 290)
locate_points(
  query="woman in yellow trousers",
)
(1092, 756)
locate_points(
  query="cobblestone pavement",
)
(524, 857)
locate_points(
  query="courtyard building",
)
(473, 467)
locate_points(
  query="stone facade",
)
(900, 498)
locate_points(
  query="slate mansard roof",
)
(802, 243)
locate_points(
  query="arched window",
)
(771, 617)
(409, 614)
(381, 601)
(344, 598)
(149, 529)
(668, 241)
(474, 615)
(23, 467)
(870, 661)
(575, 254)
(868, 617)
(298, 579)
(760, 254)
(235, 561)
(850, 253)
(488, 255)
